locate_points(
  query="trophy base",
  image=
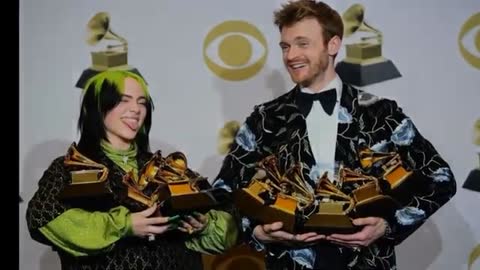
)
(473, 181)
(361, 75)
(201, 201)
(329, 224)
(91, 189)
(327, 220)
(377, 206)
(255, 207)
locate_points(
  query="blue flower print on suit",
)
(404, 133)
(245, 138)
(315, 173)
(344, 117)
(442, 175)
(305, 257)
(409, 215)
(319, 169)
(221, 184)
(381, 146)
(245, 223)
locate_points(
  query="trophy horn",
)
(99, 29)
(353, 20)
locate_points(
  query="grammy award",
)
(273, 195)
(364, 63)
(171, 183)
(473, 179)
(89, 179)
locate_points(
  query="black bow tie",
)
(327, 98)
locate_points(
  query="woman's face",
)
(123, 122)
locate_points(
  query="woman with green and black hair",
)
(103, 232)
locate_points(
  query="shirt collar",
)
(335, 83)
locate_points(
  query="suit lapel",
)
(348, 129)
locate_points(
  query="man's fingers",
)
(305, 236)
(346, 237)
(364, 221)
(282, 235)
(268, 228)
(315, 238)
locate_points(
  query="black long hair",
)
(103, 92)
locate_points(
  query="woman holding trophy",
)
(80, 206)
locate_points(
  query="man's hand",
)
(269, 233)
(373, 229)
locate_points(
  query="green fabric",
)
(83, 233)
(219, 235)
(125, 159)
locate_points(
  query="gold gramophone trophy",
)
(364, 63)
(473, 179)
(170, 182)
(88, 178)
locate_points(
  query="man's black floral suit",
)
(278, 127)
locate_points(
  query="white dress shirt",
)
(322, 130)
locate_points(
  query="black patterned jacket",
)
(168, 251)
(278, 127)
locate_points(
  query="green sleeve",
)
(219, 235)
(82, 233)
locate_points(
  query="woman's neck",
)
(119, 144)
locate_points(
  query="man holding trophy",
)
(327, 176)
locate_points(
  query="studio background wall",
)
(200, 77)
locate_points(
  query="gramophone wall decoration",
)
(110, 57)
(473, 179)
(364, 63)
(273, 196)
(99, 29)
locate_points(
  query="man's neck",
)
(323, 80)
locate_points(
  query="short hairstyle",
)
(102, 93)
(295, 11)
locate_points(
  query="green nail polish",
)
(174, 218)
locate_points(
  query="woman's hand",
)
(195, 223)
(150, 222)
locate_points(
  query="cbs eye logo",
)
(235, 50)
(470, 37)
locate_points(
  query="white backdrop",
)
(439, 89)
